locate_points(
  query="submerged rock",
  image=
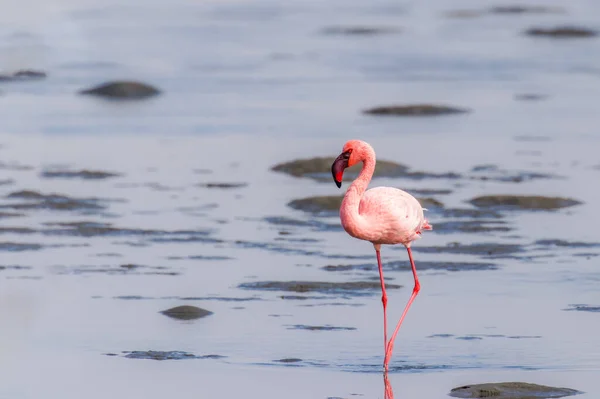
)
(359, 30)
(583, 308)
(562, 32)
(22, 75)
(122, 89)
(324, 287)
(222, 185)
(36, 200)
(78, 174)
(186, 312)
(320, 328)
(524, 9)
(320, 168)
(416, 110)
(522, 202)
(530, 97)
(166, 355)
(511, 390)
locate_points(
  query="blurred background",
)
(159, 154)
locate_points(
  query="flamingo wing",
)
(396, 214)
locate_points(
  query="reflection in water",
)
(387, 386)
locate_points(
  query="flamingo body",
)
(391, 216)
(381, 215)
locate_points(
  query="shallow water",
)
(252, 84)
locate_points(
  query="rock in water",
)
(415, 110)
(563, 32)
(122, 89)
(186, 312)
(23, 74)
(522, 202)
(511, 390)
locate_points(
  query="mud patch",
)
(342, 288)
(523, 202)
(319, 328)
(186, 312)
(513, 390)
(78, 174)
(23, 75)
(319, 168)
(222, 185)
(495, 173)
(471, 226)
(359, 30)
(122, 90)
(525, 9)
(94, 229)
(530, 97)
(562, 32)
(583, 308)
(19, 247)
(56, 202)
(7, 182)
(313, 224)
(289, 360)
(567, 244)
(125, 269)
(491, 250)
(168, 355)
(416, 110)
(421, 265)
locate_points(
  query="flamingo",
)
(381, 215)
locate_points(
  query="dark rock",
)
(522, 9)
(289, 360)
(318, 205)
(511, 390)
(405, 266)
(167, 355)
(464, 13)
(471, 226)
(523, 202)
(320, 328)
(568, 244)
(22, 75)
(19, 247)
(416, 110)
(122, 90)
(566, 32)
(583, 308)
(530, 97)
(320, 168)
(186, 312)
(222, 185)
(359, 30)
(37, 200)
(79, 174)
(493, 250)
(324, 287)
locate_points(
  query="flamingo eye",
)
(347, 154)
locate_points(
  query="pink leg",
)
(383, 300)
(390, 345)
(388, 391)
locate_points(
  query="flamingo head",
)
(351, 154)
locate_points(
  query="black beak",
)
(338, 166)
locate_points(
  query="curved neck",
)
(352, 221)
(360, 184)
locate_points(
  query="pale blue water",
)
(247, 85)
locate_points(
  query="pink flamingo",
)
(381, 215)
